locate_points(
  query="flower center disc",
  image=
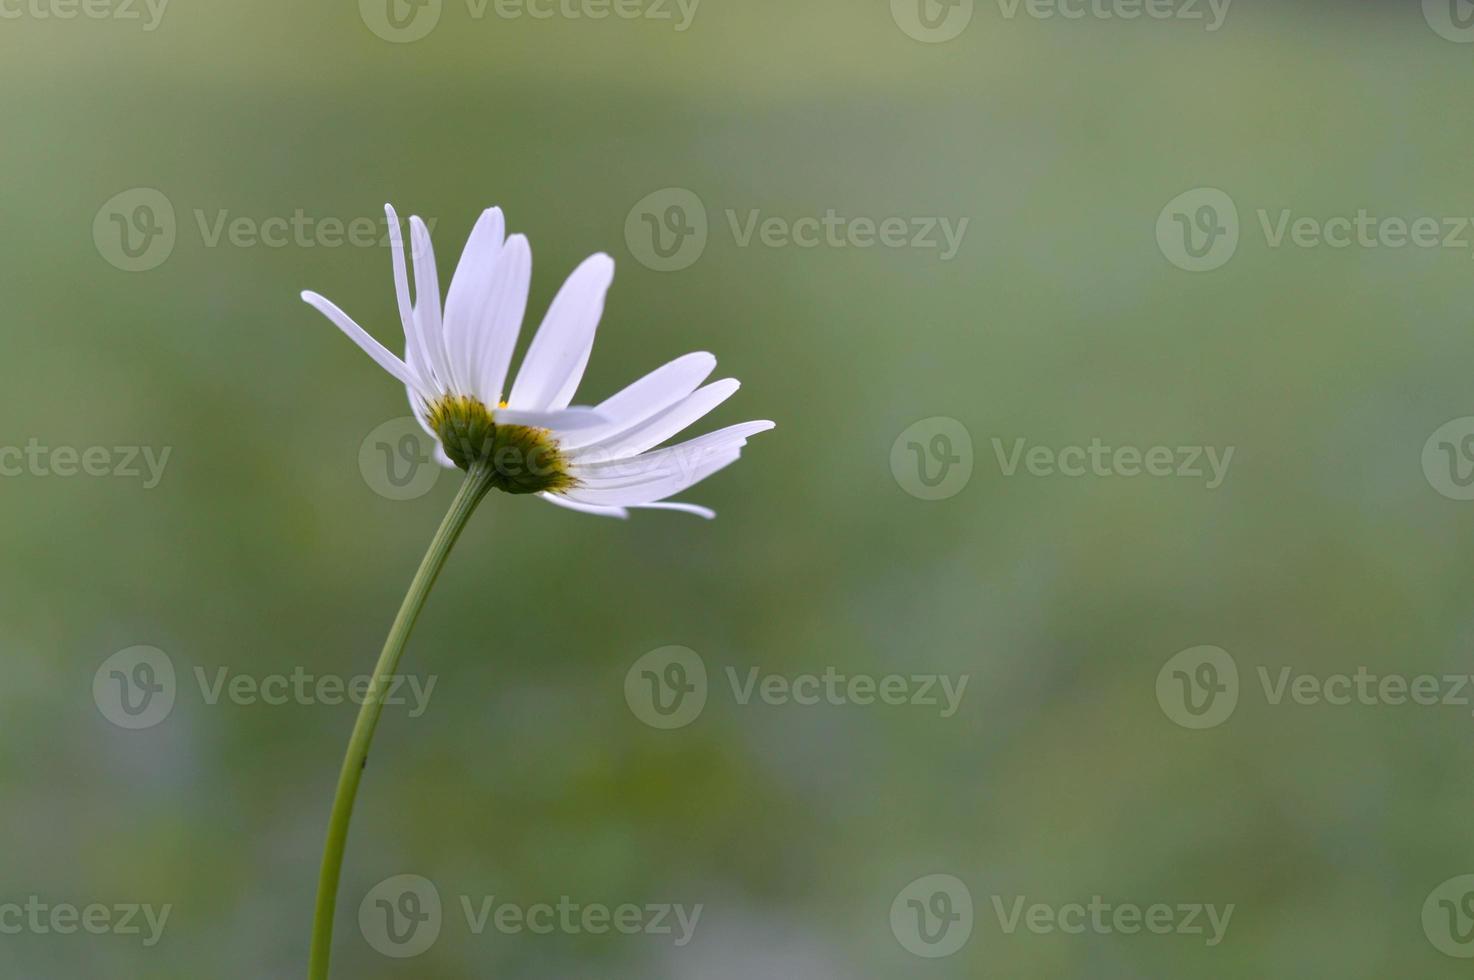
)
(520, 459)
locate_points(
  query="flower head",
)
(600, 459)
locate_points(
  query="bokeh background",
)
(266, 549)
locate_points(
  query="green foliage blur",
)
(263, 550)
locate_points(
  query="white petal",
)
(412, 358)
(420, 412)
(359, 336)
(652, 394)
(427, 303)
(420, 402)
(654, 487)
(414, 342)
(470, 291)
(682, 458)
(559, 353)
(563, 420)
(696, 509)
(502, 320)
(655, 430)
(562, 501)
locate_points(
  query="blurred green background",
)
(264, 549)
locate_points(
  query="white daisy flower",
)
(600, 459)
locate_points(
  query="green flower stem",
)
(477, 483)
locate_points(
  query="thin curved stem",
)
(476, 485)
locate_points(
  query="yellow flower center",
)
(519, 459)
